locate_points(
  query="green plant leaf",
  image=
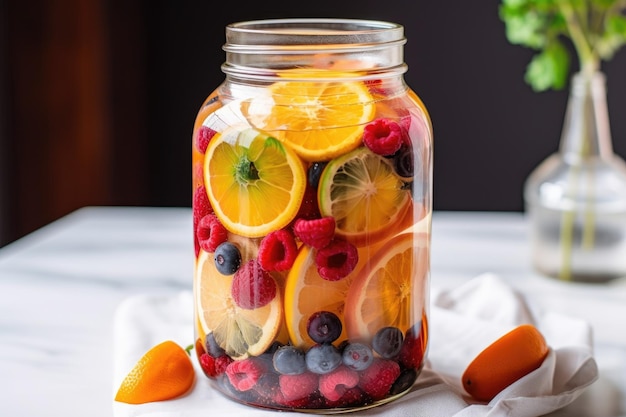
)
(614, 37)
(595, 28)
(516, 3)
(524, 27)
(605, 4)
(549, 68)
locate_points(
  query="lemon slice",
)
(238, 331)
(389, 289)
(319, 119)
(367, 199)
(255, 183)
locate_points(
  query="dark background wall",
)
(98, 98)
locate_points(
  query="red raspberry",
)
(294, 387)
(244, 374)
(335, 384)
(277, 251)
(376, 86)
(303, 402)
(266, 386)
(383, 136)
(352, 396)
(412, 352)
(211, 233)
(405, 122)
(252, 287)
(377, 380)
(336, 260)
(405, 125)
(214, 366)
(316, 232)
(204, 136)
(201, 207)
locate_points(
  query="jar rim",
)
(337, 33)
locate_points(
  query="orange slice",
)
(238, 331)
(367, 199)
(389, 288)
(306, 292)
(319, 119)
(255, 183)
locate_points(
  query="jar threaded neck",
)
(261, 49)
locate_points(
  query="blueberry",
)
(314, 173)
(324, 327)
(404, 381)
(403, 162)
(323, 359)
(212, 347)
(357, 356)
(227, 258)
(388, 342)
(289, 360)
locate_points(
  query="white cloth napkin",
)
(463, 321)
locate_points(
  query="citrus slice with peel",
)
(240, 332)
(389, 288)
(365, 196)
(306, 292)
(319, 119)
(254, 182)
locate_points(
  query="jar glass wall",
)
(312, 182)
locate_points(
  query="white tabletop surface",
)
(60, 287)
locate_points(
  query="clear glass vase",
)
(576, 198)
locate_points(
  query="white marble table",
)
(60, 286)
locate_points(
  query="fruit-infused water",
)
(312, 185)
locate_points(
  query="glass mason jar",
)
(312, 181)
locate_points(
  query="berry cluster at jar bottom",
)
(324, 375)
